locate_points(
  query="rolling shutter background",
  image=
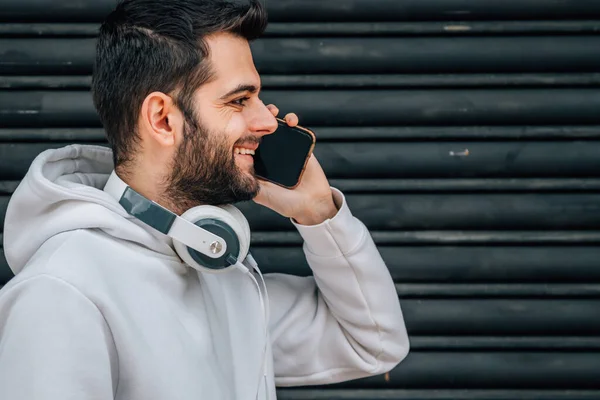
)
(465, 134)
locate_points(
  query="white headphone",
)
(207, 238)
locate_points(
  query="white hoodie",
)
(102, 308)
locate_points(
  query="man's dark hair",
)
(156, 45)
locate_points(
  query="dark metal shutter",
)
(465, 134)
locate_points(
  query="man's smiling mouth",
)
(243, 150)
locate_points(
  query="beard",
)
(204, 169)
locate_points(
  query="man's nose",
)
(263, 122)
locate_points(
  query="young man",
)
(102, 305)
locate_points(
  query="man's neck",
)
(148, 184)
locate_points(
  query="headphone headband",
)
(163, 220)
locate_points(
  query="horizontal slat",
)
(3, 205)
(55, 10)
(78, 82)
(363, 29)
(367, 10)
(452, 290)
(8, 187)
(428, 81)
(434, 394)
(457, 212)
(502, 317)
(487, 238)
(48, 108)
(54, 135)
(449, 211)
(464, 185)
(494, 370)
(5, 272)
(20, 29)
(329, 29)
(504, 343)
(439, 107)
(45, 82)
(47, 56)
(438, 159)
(426, 55)
(348, 133)
(350, 108)
(346, 55)
(413, 160)
(445, 264)
(333, 10)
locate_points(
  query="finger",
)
(291, 119)
(273, 109)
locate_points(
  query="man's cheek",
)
(236, 127)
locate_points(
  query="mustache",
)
(251, 139)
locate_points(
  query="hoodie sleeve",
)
(345, 321)
(54, 344)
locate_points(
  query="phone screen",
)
(281, 156)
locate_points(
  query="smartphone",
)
(281, 156)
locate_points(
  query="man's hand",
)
(311, 202)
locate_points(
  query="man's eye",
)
(240, 102)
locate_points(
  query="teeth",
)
(241, 150)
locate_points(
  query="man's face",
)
(214, 163)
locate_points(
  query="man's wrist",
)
(335, 236)
(317, 214)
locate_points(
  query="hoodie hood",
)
(63, 191)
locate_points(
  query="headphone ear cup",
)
(230, 224)
(245, 227)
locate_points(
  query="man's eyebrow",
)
(239, 89)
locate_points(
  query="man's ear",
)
(161, 121)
